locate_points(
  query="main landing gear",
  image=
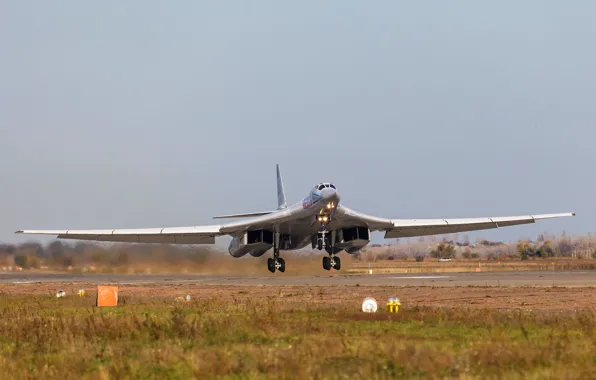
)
(276, 263)
(331, 261)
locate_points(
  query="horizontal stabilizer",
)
(243, 215)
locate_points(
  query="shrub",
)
(33, 262)
(7, 248)
(524, 248)
(67, 261)
(21, 260)
(420, 257)
(545, 250)
(565, 247)
(122, 258)
(443, 251)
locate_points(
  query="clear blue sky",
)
(152, 113)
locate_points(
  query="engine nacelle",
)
(254, 242)
(352, 239)
(352, 250)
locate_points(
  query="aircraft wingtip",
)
(19, 232)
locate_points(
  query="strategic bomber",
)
(319, 220)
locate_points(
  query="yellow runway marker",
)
(393, 305)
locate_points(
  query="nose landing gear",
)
(321, 236)
(331, 261)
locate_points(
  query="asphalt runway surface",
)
(578, 278)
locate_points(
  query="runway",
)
(580, 278)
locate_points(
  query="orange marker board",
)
(107, 295)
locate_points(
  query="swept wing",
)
(400, 228)
(246, 215)
(170, 235)
(393, 228)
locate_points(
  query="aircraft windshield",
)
(321, 186)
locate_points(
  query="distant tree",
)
(467, 254)
(67, 261)
(526, 249)
(56, 249)
(98, 258)
(545, 250)
(565, 247)
(7, 249)
(32, 248)
(122, 258)
(21, 260)
(420, 257)
(80, 248)
(443, 251)
(33, 262)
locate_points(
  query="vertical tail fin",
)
(281, 195)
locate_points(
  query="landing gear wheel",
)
(320, 244)
(271, 265)
(337, 265)
(281, 265)
(326, 263)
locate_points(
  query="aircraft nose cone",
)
(330, 195)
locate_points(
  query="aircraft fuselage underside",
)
(316, 222)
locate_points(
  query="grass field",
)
(275, 334)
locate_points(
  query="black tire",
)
(320, 244)
(337, 263)
(326, 263)
(282, 265)
(271, 265)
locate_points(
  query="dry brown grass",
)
(470, 265)
(289, 332)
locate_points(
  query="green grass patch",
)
(45, 337)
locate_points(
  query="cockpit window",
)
(321, 187)
(333, 187)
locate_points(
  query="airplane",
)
(319, 220)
